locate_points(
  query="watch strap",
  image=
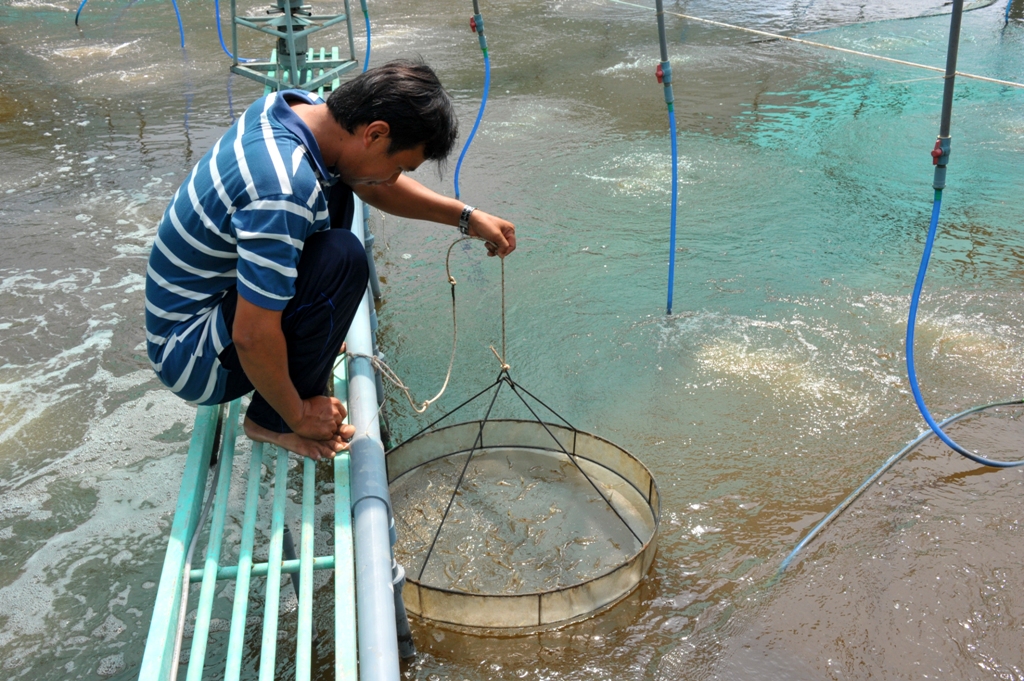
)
(467, 210)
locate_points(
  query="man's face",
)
(373, 165)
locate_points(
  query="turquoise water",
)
(776, 387)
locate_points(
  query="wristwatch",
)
(467, 210)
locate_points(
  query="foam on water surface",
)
(77, 521)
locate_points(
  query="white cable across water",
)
(811, 43)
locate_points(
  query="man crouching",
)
(254, 277)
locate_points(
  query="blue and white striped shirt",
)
(239, 219)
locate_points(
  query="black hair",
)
(406, 95)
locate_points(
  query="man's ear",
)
(375, 131)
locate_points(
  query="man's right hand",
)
(500, 234)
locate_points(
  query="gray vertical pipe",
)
(406, 646)
(659, 11)
(944, 143)
(371, 506)
(234, 33)
(950, 77)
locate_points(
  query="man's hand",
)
(407, 198)
(500, 234)
(321, 419)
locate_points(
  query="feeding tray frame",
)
(622, 481)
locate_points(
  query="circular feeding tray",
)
(519, 525)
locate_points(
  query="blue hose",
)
(675, 200)
(181, 29)
(220, 35)
(941, 159)
(664, 75)
(1006, 16)
(476, 124)
(366, 15)
(911, 373)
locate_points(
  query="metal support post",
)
(406, 646)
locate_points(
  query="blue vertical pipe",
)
(220, 34)
(477, 25)
(181, 29)
(665, 77)
(366, 17)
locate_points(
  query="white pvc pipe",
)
(378, 637)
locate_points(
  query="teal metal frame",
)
(292, 23)
(159, 658)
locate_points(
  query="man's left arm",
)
(407, 198)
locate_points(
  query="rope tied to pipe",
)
(392, 376)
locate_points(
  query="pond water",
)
(775, 388)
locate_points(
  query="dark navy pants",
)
(333, 274)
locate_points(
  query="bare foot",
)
(314, 449)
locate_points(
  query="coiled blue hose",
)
(181, 29)
(936, 428)
(912, 373)
(479, 116)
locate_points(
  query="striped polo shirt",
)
(239, 219)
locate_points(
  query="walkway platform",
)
(218, 611)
